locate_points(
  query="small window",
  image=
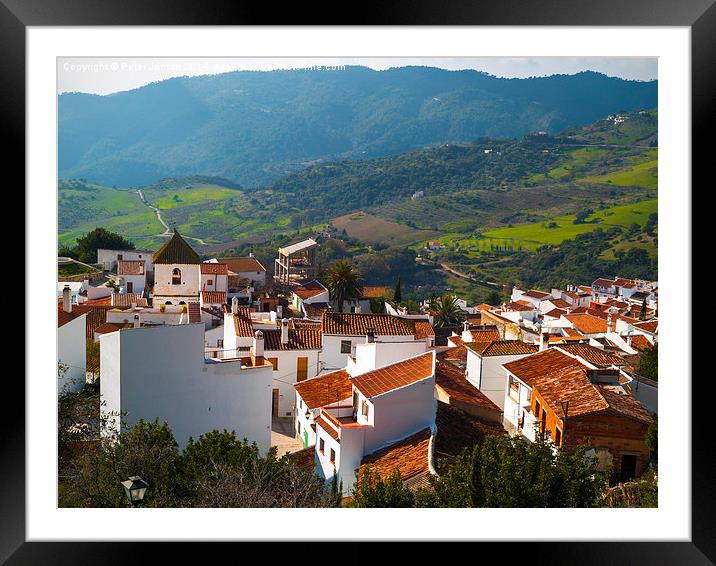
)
(321, 446)
(333, 456)
(176, 276)
(220, 343)
(558, 437)
(346, 346)
(274, 363)
(210, 282)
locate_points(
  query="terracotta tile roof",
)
(572, 332)
(325, 425)
(126, 300)
(357, 324)
(623, 404)
(304, 339)
(108, 327)
(304, 323)
(486, 334)
(213, 297)
(651, 326)
(242, 322)
(423, 329)
(556, 313)
(409, 456)
(458, 353)
(453, 381)
(243, 264)
(502, 348)
(579, 310)
(211, 268)
(394, 376)
(325, 389)
(64, 317)
(130, 267)
(640, 343)
(374, 292)
(315, 310)
(458, 430)
(176, 251)
(536, 294)
(516, 306)
(585, 289)
(455, 340)
(587, 323)
(484, 307)
(601, 282)
(310, 289)
(560, 303)
(626, 283)
(530, 368)
(593, 355)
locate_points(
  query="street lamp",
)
(135, 488)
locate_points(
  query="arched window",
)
(168, 303)
(176, 276)
(182, 303)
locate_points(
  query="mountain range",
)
(253, 128)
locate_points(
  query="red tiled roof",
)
(601, 282)
(357, 324)
(315, 310)
(556, 313)
(194, 311)
(453, 381)
(211, 268)
(409, 456)
(560, 303)
(639, 342)
(593, 355)
(108, 327)
(126, 300)
(63, 317)
(325, 389)
(325, 425)
(502, 348)
(213, 297)
(535, 294)
(458, 353)
(486, 334)
(310, 289)
(551, 360)
(242, 322)
(458, 430)
(303, 339)
(651, 326)
(587, 323)
(516, 306)
(423, 329)
(243, 264)
(130, 267)
(394, 376)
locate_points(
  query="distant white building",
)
(177, 273)
(162, 372)
(109, 258)
(132, 276)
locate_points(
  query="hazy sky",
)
(104, 75)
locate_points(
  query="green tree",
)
(344, 283)
(373, 491)
(493, 298)
(581, 216)
(446, 310)
(649, 362)
(652, 438)
(85, 249)
(397, 295)
(642, 312)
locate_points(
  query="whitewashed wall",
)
(72, 351)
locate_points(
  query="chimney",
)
(133, 306)
(628, 340)
(67, 299)
(465, 326)
(279, 310)
(610, 328)
(258, 348)
(369, 336)
(251, 251)
(234, 305)
(284, 331)
(136, 321)
(358, 310)
(541, 341)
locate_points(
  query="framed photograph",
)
(393, 262)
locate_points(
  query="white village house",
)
(71, 346)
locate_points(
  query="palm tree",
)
(446, 311)
(343, 283)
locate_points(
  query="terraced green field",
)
(531, 236)
(639, 175)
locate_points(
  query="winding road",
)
(167, 231)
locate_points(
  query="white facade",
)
(176, 287)
(488, 375)
(374, 355)
(214, 282)
(132, 283)
(72, 352)
(108, 258)
(337, 348)
(285, 375)
(161, 372)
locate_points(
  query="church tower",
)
(177, 273)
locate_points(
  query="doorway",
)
(274, 403)
(628, 468)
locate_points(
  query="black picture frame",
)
(17, 15)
